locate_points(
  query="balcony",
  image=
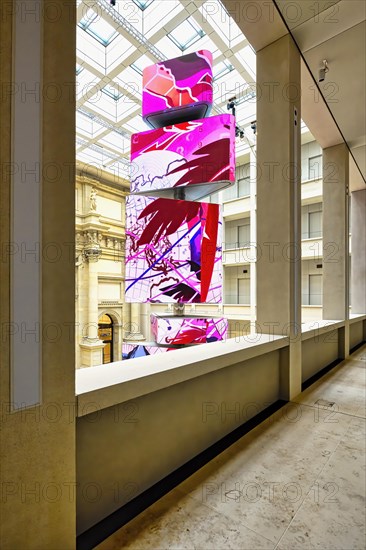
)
(312, 248)
(312, 191)
(236, 209)
(238, 253)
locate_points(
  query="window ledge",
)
(312, 180)
(235, 199)
(357, 317)
(312, 329)
(107, 385)
(311, 239)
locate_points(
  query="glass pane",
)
(230, 192)
(112, 92)
(244, 187)
(315, 225)
(186, 34)
(143, 4)
(88, 18)
(243, 291)
(102, 31)
(222, 68)
(244, 235)
(141, 63)
(315, 167)
(315, 290)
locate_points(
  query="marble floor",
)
(297, 481)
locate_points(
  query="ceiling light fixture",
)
(323, 70)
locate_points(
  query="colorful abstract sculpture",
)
(173, 251)
(187, 161)
(177, 90)
(191, 330)
(173, 244)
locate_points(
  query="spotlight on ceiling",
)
(324, 69)
(231, 105)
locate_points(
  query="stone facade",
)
(99, 252)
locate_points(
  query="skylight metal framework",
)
(135, 33)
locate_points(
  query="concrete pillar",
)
(38, 508)
(358, 263)
(279, 202)
(336, 239)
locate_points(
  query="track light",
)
(253, 126)
(231, 105)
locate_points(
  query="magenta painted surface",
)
(134, 351)
(198, 152)
(194, 330)
(177, 83)
(173, 251)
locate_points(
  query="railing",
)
(234, 245)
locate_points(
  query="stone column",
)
(145, 321)
(37, 72)
(279, 203)
(253, 239)
(91, 346)
(134, 332)
(358, 263)
(136, 322)
(336, 240)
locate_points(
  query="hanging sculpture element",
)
(174, 244)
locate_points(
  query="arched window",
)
(105, 333)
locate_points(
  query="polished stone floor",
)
(295, 482)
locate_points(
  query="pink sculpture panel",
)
(188, 330)
(173, 251)
(192, 158)
(133, 351)
(177, 90)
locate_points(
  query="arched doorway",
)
(105, 333)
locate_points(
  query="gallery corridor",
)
(296, 481)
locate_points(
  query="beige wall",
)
(357, 333)
(127, 448)
(38, 444)
(318, 352)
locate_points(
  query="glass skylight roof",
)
(114, 45)
(186, 34)
(112, 92)
(98, 28)
(143, 4)
(222, 68)
(141, 63)
(88, 18)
